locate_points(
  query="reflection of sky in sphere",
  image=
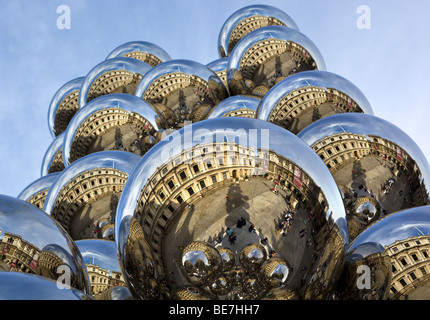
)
(312, 78)
(99, 252)
(395, 227)
(234, 103)
(141, 46)
(368, 125)
(38, 185)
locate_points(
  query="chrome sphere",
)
(181, 91)
(204, 177)
(248, 19)
(63, 106)
(53, 158)
(236, 106)
(275, 272)
(111, 122)
(221, 286)
(142, 50)
(200, 262)
(228, 258)
(35, 243)
(305, 97)
(286, 51)
(24, 286)
(371, 159)
(190, 293)
(387, 260)
(36, 192)
(252, 256)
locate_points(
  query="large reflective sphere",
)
(248, 19)
(116, 75)
(268, 55)
(219, 66)
(111, 122)
(305, 97)
(87, 192)
(235, 183)
(101, 261)
(63, 106)
(32, 242)
(379, 168)
(141, 50)
(390, 259)
(23, 286)
(181, 91)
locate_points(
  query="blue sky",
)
(388, 62)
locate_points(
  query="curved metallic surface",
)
(53, 158)
(394, 250)
(264, 141)
(149, 52)
(218, 65)
(372, 159)
(136, 67)
(40, 185)
(100, 257)
(236, 106)
(182, 90)
(224, 49)
(238, 77)
(33, 242)
(132, 106)
(308, 80)
(120, 160)
(63, 92)
(23, 286)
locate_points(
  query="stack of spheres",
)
(276, 139)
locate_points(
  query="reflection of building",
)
(147, 57)
(103, 279)
(20, 254)
(38, 199)
(84, 189)
(67, 108)
(186, 179)
(410, 265)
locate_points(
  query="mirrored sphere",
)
(389, 259)
(275, 272)
(32, 242)
(116, 75)
(377, 165)
(24, 286)
(53, 158)
(268, 55)
(195, 185)
(36, 192)
(200, 261)
(63, 106)
(236, 106)
(248, 19)
(228, 258)
(142, 50)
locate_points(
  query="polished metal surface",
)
(136, 67)
(316, 82)
(35, 243)
(181, 91)
(264, 141)
(394, 251)
(50, 163)
(23, 286)
(63, 92)
(130, 106)
(218, 65)
(224, 42)
(128, 48)
(236, 106)
(248, 70)
(370, 158)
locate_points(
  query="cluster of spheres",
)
(260, 175)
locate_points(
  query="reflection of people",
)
(218, 239)
(229, 231)
(232, 238)
(251, 228)
(241, 222)
(264, 241)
